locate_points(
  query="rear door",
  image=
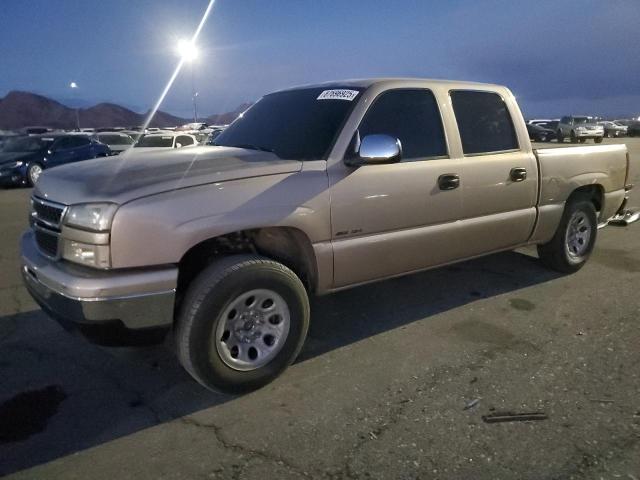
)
(395, 218)
(499, 172)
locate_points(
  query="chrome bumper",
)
(133, 299)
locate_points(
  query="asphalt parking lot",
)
(393, 382)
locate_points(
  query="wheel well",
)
(286, 245)
(592, 193)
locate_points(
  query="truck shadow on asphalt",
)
(60, 394)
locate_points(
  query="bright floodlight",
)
(73, 85)
(187, 50)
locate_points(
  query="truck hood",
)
(132, 175)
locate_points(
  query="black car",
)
(633, 129)
(23, 158)
(540, 134)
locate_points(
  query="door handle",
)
(448, 181)
(518, 174)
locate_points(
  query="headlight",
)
(96, 217)
(91, 255)
(17, 164)
(580, 129)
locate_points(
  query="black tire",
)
(206, 299)
(573, 137)
(559, 137)
(598, 140)
(582, 140)
(555, 254)
(31, 173)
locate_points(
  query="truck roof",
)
(390, 82)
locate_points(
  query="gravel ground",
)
(393, 382)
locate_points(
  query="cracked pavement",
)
(393, 381)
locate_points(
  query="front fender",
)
(159, 229)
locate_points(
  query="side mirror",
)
(178, 145)
(377, 149)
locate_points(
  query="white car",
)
(165, 141)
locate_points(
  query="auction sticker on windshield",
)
(348, 95)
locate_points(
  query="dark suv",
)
(23, 158)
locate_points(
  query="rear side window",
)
(410, 115)
(484, 122)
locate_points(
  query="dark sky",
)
(559, 56)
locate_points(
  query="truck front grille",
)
(47, 242)
(46, 219)
(46, 212)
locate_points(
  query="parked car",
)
(579, 129)
(613, 129)
(116, 141)
(167, 140)
(23, 158)
(551, 124)
(313, 190)
(540, 134)
(633, 130)
(36, 130)
(536, 121)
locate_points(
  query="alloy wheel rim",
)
(34, 173)
(252, 329)
(578, 235)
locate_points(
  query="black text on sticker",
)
(338, 95)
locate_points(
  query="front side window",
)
(413, 117)
(484, 122)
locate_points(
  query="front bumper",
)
(589, 134)
(110, 307)
(11, 176)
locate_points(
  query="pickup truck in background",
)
(312, 190)
(579, 129)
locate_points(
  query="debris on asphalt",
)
(471, 404)
(474, 380)
(514, 417)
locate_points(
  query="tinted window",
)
(27, 144)
(294, 124)
(184, 140)
(411, 116)
(483, 121)
(115, 139)
(155, 141)
(76, 142)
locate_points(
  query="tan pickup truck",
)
(312, 190)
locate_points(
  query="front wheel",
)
(574, 138)
(571, 246)
(242, 322)
(598, 140)
(559, 136)
(33, 173)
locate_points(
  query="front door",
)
(396, 218)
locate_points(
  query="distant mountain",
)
(23, 109)
(225, 118)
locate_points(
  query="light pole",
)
(189, 52)
(74, 87)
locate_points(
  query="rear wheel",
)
(571, 246)
(243, 321)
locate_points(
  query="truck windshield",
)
(581, 119)
(297, 124)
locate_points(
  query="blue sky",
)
(557, 56)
